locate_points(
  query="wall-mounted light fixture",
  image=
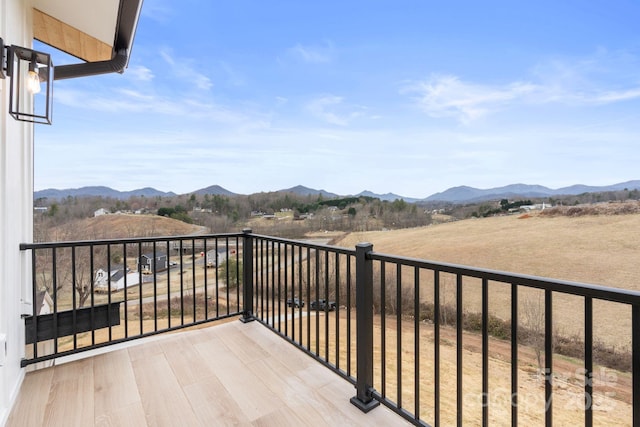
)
(29, 70)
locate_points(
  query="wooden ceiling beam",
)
(66, 38)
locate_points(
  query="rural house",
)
(116, 281)
(147, 264)
(216, 257)
(102, 274)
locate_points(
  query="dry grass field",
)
(590, 249)
(595, 249)
(121, 226)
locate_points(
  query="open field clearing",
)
(119, 226)
(594, 249)
(600, 250)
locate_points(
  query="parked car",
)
(323, 305)
(295, 302)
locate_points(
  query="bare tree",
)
(533, 320)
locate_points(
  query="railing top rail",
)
(625, 296)
(336, 249)
(45, 245)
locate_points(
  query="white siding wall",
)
(16, 212)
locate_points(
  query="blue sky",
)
(405, 96)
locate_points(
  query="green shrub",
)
(230, 271)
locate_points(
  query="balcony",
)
(228, 374)
(429, 343)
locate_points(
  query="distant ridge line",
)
(460, 194)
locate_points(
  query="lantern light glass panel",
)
(30, 93)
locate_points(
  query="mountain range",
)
(52, 193)
(462, 194)
(466, 194)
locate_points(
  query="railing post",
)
(364, 329)
(247, 276)
(635, 367)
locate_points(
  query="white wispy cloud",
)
(158, 10)
(448, 96)
(233, 77)
(140, 73)
(601, 78)
(616, 96)
(121, 100)
(184, 70)
(320, 108)
(313, 54)
(593, 81)
(124, 100)
(331, 109)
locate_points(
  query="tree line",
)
(222, 213)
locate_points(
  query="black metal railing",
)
(414, 335)
(413, 318)
(425, 281)
(89, 294)
(304, 292)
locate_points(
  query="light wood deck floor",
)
(227, 374)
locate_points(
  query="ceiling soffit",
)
(66, 38)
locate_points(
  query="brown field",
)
(600, 249)
(590, 249)
(122, 226)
